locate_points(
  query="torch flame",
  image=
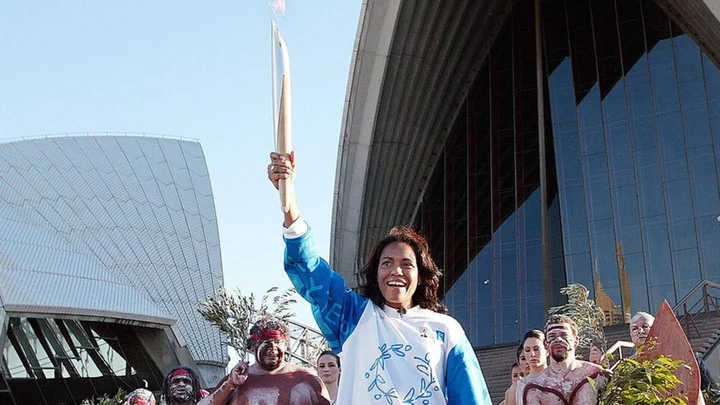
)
(278, 7)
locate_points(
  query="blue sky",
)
(196, 69)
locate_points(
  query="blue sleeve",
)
(336, 308)
(464, 380)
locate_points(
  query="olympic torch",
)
(282, 107)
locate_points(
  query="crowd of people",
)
(548, 372)
(395, 338)
(396, 341)
(554, 374)
(269, 380)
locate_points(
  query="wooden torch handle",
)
(284, 138)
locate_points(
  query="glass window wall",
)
(633, 135)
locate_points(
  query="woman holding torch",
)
(396, 342)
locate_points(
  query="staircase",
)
(699, 315)
(706, 335)
(495, 363)
(709, 335)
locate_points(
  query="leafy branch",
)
(586, 314)
(117, 399)
(234, 313)
(644, 380)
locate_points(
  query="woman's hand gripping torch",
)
(282, 111)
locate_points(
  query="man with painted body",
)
(565, 381)
(270, 380)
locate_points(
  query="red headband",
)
(268, 334)
(180, 372)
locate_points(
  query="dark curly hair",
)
(197, 395)
(262, 325)
(426, 294)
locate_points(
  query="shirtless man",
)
(565, 381)
(270, 380)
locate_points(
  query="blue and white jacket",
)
(420, 357)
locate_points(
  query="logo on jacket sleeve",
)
(440, 335)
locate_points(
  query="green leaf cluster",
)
(234, 313)
(712, 395)
(643, 380)
(586, 314)
(117, 399)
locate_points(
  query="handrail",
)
(618, 347)
(694, 290)
(619, 344)
(705, 304)
(686, 314)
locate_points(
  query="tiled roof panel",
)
(113, 227)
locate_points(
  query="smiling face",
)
(328, 369)
(535, 353)
(561, 341)
(639, 329)
(398, 275)
(270, 354)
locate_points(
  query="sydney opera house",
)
(107, 245)
(537, 143)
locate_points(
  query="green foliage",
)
(644, 381)
(586, 314)
(117, 399)
(234, 313)
(712, 395)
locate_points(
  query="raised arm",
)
(336, 307)
(227, 385)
